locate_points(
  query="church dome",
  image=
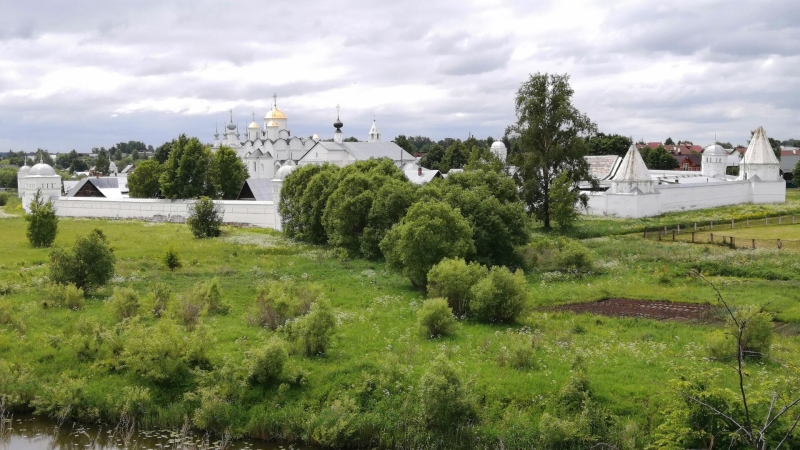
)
(715, 150)
(498, 145)
(231, 126)
(272, 123)
(253, 126)
(284, 172)
(112, 166)
(275, 113)
(315, 137)
(41, 170)
(24, 170)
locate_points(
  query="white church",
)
(634, 191)
(264, 150)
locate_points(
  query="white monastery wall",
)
(687, 197)
(260, 214)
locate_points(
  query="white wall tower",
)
(715, 161)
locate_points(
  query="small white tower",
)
(22, 173)
(632, 175)
(277, 184)
(499, 150)
(253, 130)
(374, 134)
(337, 136)
(715, 161)
(216, 136)
(759, 159)
(41, 177)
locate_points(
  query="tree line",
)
(185, 168)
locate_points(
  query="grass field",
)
(364, 391)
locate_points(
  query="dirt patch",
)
(623, 307)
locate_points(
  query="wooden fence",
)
(713, 232)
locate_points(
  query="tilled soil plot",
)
(624, 307)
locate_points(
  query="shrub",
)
(500, 296)
(160, 299)
(453, 279)
(188, 311)
(572, 256)
(125, 303)
(268, 365)
(90, 263)
(42, 222)
(436, 318)
(278, 302)
(314, 331)
(756, 338)
(163, 353)
(430, 232)
(172, 260)
(205, 218)
(444, 400)
(209, 296)
(65, 295)
(3, 198)
(518, 355)
(10, 319)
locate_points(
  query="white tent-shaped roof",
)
(633, 167)
(760, 151)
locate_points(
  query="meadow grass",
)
(378, 353)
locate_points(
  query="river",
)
(33, 433)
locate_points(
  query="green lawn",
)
(364, 390)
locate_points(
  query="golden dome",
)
(272, 123)
(275, 114)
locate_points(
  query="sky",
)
(83, 74)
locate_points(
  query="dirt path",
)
(623, 307)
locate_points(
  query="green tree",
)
(8, 178)
(102, 162)
(489, 202)
(186, 172)
(453, 279)
(564, 195)
(433, 158)
(229, 173)
(608, 144)
(552, 138)
(669, 141)
(659, 158)
(392, 200)
(269, 362)
(88, 265)
(293, 217)
(316, 328)
(796, 174)
(430, 232)
(163, 151)
(44, 156)
(455, 157)
(313, 201)
(205, 218)
(144, 182)
(499, 297)
(42, 222)
(172, 260)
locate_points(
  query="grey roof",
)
(103, 184)
(419, 175)
(603, 167)
(260, 187)
(366, 150)
(127, 168)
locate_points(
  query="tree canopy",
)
(552, 139)
(144, 181)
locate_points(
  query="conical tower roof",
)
(632, 168)
(760, 151)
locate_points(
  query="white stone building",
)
(635, 191)
(265, 150)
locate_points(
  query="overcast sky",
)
(83, 74)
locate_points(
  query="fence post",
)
(679, 228)
(692, 237)
(665, 229)
(779, 244)
(673, 235)
(779, 220)
(659, 235)
(733, 242)
(712, 237)
(731, 224)
(754, 244)
(645, 232)
(695, 226)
